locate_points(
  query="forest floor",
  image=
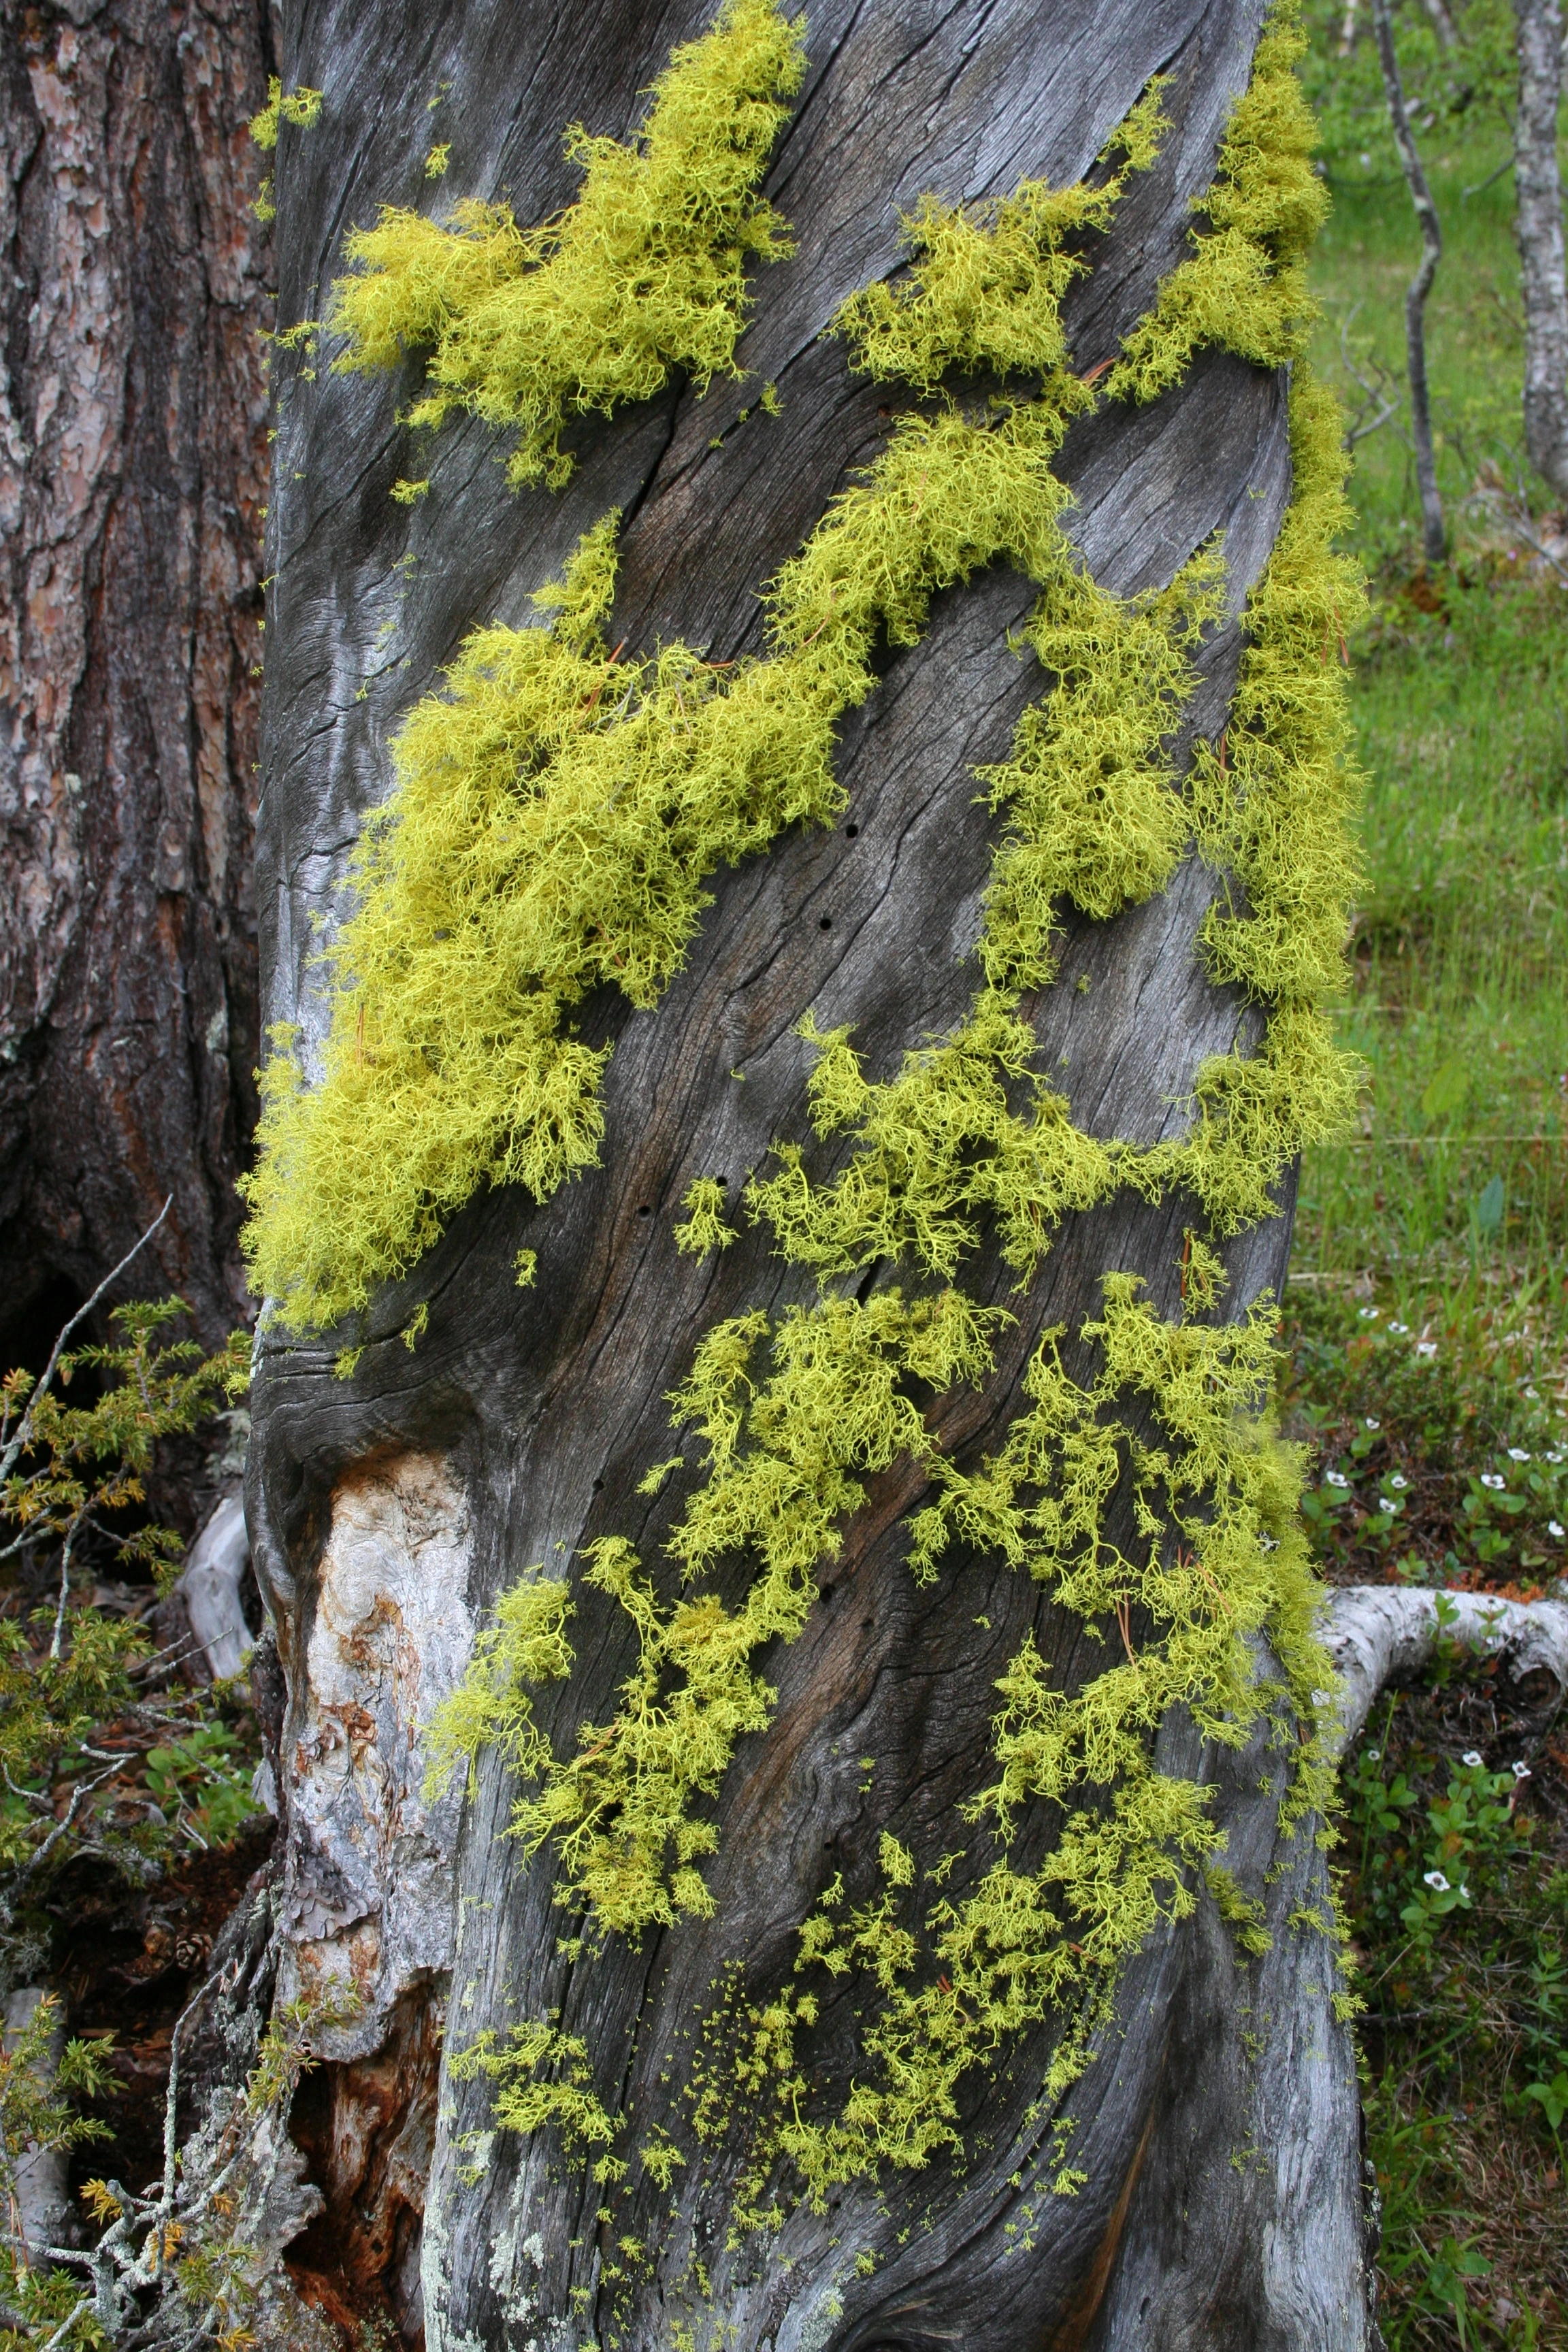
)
(1427, 1307)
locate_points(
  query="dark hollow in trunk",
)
(1216, 2129)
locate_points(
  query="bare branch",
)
(17, 1444)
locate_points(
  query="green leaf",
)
(1446, 1093)
(1490, 1207)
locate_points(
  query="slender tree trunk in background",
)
(1434, 536)
(1219, 2201)
(1442, 24)
(133, 467)
(1538, 224)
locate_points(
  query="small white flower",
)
(1402, 1328)
(1369, 1313)
(1463, 1891)
(1372, 1424)
(1425, 1347)
(1437, 1882)
(1375, 1755)
(1519, 1769)
(1337, 1478)
(1555, 1529)
(1473, 1758)
(1517, 1453)
(1554, 1456)
(1494, 1479)
(1534, 1394)
(1389, 1503)
(1399, 1481)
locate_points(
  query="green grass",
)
(1450, 1208)
(1428, 1310)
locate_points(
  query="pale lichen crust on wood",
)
(557, 811)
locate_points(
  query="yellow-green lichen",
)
(1091, 815)
(1153, 1499)
(1272, 801)
(556, 814)
(786, 1459)
(704, 1228)
(541, 2076)
(302, 106)
(986, 288)
(492, 1706)
(1094, 819)
(643, 273)
(937, 1148)
(1218, 1559)
(1244, 287)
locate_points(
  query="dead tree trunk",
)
(1198, 2183)
(132, 472)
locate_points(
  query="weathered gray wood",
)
(1380, 1633)
(517, 1430)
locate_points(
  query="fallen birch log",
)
(1381, 1633)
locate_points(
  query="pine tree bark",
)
(133, 471)
(1221, 2204)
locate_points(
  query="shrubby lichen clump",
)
(559, 807)
(642, 274)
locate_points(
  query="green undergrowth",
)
(964, 1149)
(1427, 1321)
(642, 274)
(1448, 1209)
(1456, 1895)
(1442, 1460)
(123, 1782)
(1462, 96)
(1452, 1198)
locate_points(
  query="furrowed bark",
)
(132, 466)
(1434, 533)
(1538, 226)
